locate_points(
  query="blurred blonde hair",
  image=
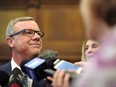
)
(83, 57)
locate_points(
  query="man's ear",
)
(10, 42)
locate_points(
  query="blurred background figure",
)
(89, 48)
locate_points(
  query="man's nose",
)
(36, 36)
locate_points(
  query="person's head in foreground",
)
(99, 17)
(101, 27)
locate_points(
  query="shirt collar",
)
(14, 65)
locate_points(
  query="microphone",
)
(43, 61)
(4, 78)
(36, 69)
(50, 56)
(16, 78)
(39, 68)
(52, 62)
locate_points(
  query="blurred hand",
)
(61, 79)
(49, 78)
(81, 64)
(73, 71)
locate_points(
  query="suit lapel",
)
(6, 67)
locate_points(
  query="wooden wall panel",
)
(4, 53)
(68, 50)
(61, 22)
(63, 30)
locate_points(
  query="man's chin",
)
(35, 53)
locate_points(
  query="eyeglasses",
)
(28, 32)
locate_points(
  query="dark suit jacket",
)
(7, 68)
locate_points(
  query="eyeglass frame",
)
(23, 31)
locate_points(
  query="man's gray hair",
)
(10, 27)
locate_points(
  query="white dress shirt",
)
(14, 65)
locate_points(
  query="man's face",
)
(24, 44)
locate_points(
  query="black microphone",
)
(52, 62)
(43, 61)
(4, 78)
(39, 68)
(50, 56)
(36, 69)
(16, 78)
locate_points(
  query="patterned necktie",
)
(25, 82)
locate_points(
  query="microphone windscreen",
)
(4, 78)
(16, 78)
(50, 56)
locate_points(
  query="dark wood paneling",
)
(67, 50)
(63, 30)
(4, 53)
(22, 4)
(59, 2)
(13, 4)
(59, 19)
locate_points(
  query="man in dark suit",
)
(7, 68)
(24, 38)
